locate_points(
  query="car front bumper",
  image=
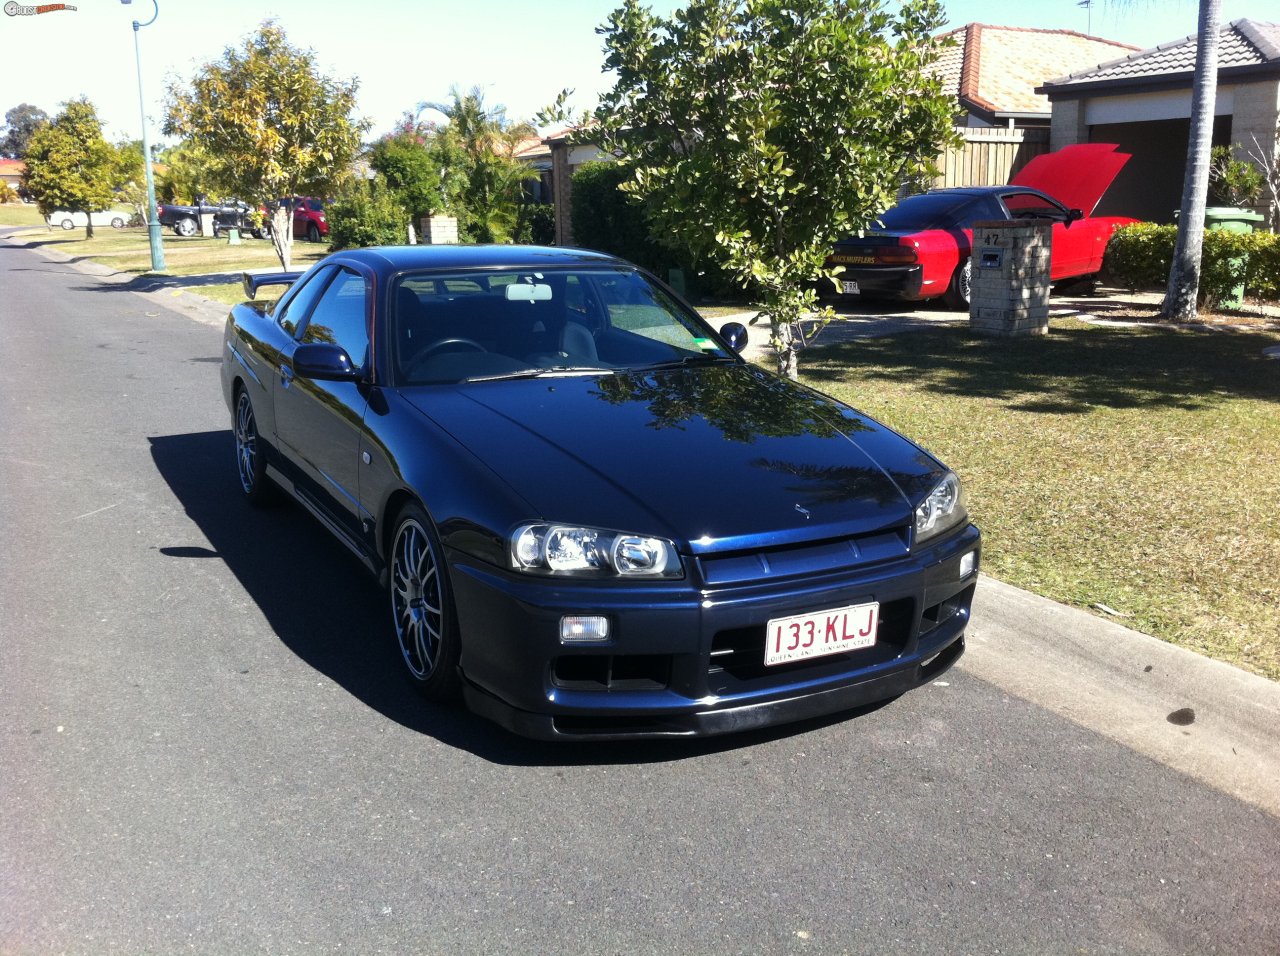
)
(687, 661)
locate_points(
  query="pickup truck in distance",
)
(229, 214)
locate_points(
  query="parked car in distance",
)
(309, 221)
(70, 220)
(591, 517)
(229, 214)
(920, 248)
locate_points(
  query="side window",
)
(295, 311)
(339, 317)
(1031, 206)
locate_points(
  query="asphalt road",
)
(207, 746)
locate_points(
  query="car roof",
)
(388, 259)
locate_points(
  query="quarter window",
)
(296, 309)
(339, 317)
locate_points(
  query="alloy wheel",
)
(417, 605)
(246, 444)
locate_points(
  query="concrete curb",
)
(1207, 719)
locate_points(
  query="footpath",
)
(1214, 722)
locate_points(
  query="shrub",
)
(607, 219)
(537, 224)
(1139, 256)
(8, 193)
(366, 213)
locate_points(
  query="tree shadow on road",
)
(326, 608)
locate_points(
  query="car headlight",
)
(567, 549)
(941, 510)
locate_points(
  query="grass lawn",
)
(20, 214)
(1131, 467)
(127, 250)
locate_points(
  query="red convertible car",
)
(920, 248)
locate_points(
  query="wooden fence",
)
(990, 156)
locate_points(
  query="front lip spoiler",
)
(846, 698)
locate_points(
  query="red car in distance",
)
(920, 248)
(308, 217)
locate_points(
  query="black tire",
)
(251, 464)
(313, 233)
(67, 224)
(117, 223)
(186, 227)
(422, 613)
(957, 294)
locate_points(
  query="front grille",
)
(737, 655)
(612, 671)
(874, 547)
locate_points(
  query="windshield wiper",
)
(539, 372)
(703, 359)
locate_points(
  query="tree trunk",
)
(88, 225)
(282, 235)
(1184, 272)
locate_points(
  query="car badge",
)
(803, 511)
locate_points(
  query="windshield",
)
(471, 326)
(930, 211)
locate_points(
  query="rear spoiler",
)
(252, 283)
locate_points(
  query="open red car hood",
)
(1076, 176)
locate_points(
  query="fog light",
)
(584, 630)
(968, 563)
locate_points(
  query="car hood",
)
(714, 457)
(1076, 176)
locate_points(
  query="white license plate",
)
(850, 288)
(816, 635)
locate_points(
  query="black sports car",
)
(592, 518)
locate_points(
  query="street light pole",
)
(153, 219)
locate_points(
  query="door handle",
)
(286, 376)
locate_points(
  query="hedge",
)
(1139, 256)
(607, 219)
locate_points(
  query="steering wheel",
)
(441, 346)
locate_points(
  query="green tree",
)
(128, 177)
(760, 131)
(409, 168)
(69, 165)
(270, 123)
(20, 123)
(182, 173)
(482, 181)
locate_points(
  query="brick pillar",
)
(1066, 124)
(1009, 290)
(439, 230)
(562, 193)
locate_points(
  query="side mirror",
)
(734, 333)
(1073, 215)
(324, 362)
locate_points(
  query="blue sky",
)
(408, 51)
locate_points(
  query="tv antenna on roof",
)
(1088, 5)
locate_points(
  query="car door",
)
(318, 424)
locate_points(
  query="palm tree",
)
(1184, 273)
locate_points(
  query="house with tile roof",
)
(11, 171)
(1142, 101)
(994, 71)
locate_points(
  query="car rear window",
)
(931, 211)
